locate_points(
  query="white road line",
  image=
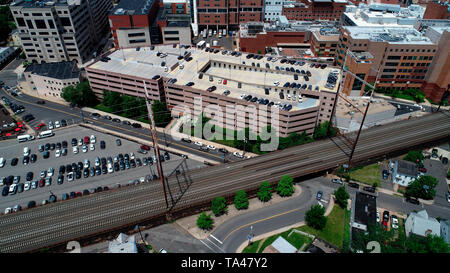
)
(215, 245)
(207, 246)
(216, 239)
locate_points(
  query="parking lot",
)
(13, 149)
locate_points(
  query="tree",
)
(219, 206)
(341, 196)
(204, 221)
(324, 130)
(161, 113)
(112, 100)
(265, 192)
(6, 23)
(429, 244)
(315, 217)
(414, 156)
(81, 94)
(241, 200)
(423, 187)
(285, 186)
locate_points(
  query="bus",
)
(45, 134)
(23, 138)
(201, 44)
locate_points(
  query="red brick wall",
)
(270, 39)
(436, 11)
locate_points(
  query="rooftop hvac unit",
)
(365, 104)
(347, 104)
(351, 113)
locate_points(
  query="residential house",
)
(404, 172)
(445, 230)
(421, 224)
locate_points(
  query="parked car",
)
(386, 215)
(378, 216)
(413, 200)
(394, 222)
(102, 145)
(353, 185)
(319, 195)
(337, 181)
(369, 189)
(118, 142)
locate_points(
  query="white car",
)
(57, 124)
(11, 188)
(85, 149)
(75, 150)
(97, 161)
(276, 83)
(132, 156)
(70, 176)
(27, 186)
(198, 143)
(80, 142)
(8, 210)
(110, 168)
(86, 163)
(50, 172)
(93, 139)
(394, 222)
(26, 151)
(58, 153)
(48, 181)
(211, 147)
(142, 179)
(43, 173)
(236, 154)
(34, 184)
(242, 96)
(378, 216)
(50, 125)
(91, 147)
(2, 162)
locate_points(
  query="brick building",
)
(228, 14)
(437, 10)
(315, 10)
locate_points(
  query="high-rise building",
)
(63, 30)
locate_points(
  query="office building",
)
(310, 10)
(62, 30)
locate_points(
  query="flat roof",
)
(145, 64)
(343, 109)
(132, 7)
(365, 208)
(59, 70)
(392, 35)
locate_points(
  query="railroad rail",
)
(63, 221)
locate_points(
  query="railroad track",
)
(63, 221)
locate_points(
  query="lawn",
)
(368, 174)
(334, 229)
(297, 240)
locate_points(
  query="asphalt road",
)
(50, 110)
(231, 234)
(11, 148)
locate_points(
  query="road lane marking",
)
(216, 239)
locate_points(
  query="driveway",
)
(436, 169)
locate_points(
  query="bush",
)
(341, 197)
(315, 217)
(241, 200)
(285, 186)
(219, 206)
(204, 221)
(414, 156)
(423, 187)
(264, 193)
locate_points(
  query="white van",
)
(45, 134)
(23, 138)
(2, 162)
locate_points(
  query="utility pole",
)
(155, 143)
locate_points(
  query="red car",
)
(78, 194)
(424, 170)
(384, 225)
(41, 183)
(40, 125)
(145, 147)
(224, 81)
(86, 140)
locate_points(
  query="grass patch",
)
(103, 108)
(297, 240)
(334, 229)
(346, 241)
(368, 174)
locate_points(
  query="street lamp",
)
(245, 142)
(250, 235)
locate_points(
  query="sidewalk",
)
(283, 229)
(190, 223)
(426, 102)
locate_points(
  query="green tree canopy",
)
(81, 94)
(264, 193)
(323, 130)
(341, 197)
(161, 113)
(241, 200)
(315, 217)
(414, 156)
(423, 187)
(205, 221)
(219, 206)
(429, 244)
(285, 186)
